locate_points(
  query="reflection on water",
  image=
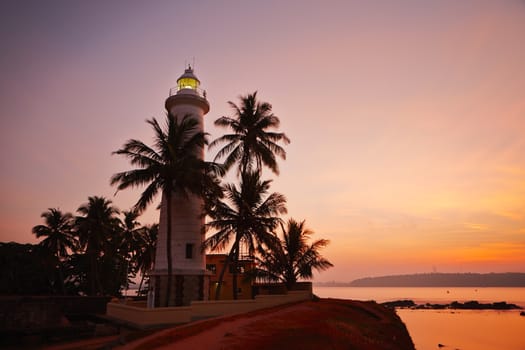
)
(465, 329)
(456, 329)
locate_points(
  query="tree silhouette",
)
(97, 228)
(247, 216)
(293, 258)
(131, 242)
(58, 237)
(145, 255)
(251, 144)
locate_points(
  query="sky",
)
(406, 118)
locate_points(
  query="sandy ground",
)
(324, 324)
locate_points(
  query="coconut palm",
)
(131, 241)
(171, 166)
(145, 255)
(98, 229)
(293, 258)
(251, 144)
(247, 217)
(57, 230)
(58, 237)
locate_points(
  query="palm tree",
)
(251, 144)
(97, 229)
(247, 218)
(171, 166)
(59, 237)
(293, 258)
(131, 241)
(145, 255)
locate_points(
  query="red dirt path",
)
(323, 324)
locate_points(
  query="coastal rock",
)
(469, 305)
(475, 305)
(399, 303)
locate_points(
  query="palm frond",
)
(250, 145)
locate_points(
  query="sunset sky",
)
(407, 118)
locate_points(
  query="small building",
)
(215, 264)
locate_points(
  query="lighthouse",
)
(189, 278)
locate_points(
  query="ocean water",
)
(465, 329)
(455, 329)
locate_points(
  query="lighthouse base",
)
(185, 288)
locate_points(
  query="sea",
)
(450, 329)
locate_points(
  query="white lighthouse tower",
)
(189, 278)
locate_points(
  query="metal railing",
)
(198, 91)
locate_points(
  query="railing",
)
(198, 91)
(245, 256)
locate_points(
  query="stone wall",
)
(140, 317)
(184, 289)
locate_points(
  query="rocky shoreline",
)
(455, 305)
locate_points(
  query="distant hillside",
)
(444, 280)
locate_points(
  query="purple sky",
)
(406, 117)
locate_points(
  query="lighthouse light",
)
(188, 83)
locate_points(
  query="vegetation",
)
(98, 228)
(58, 238)
(145, 254)
(248, 217)
(27, 269)
(95, 253)
(292, 258)
(251, 144)
(102, 249)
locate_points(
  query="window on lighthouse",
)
(188, 83)
(189, 251)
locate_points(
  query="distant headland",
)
(509, 279)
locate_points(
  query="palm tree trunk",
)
(92, 272)
(140, 284)
(235, 264)
(291, 278)
(168, 246)
(126, 280)
(221, 276)
(290, 282)
(60, 276)
(94, 278)
(100, 289)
